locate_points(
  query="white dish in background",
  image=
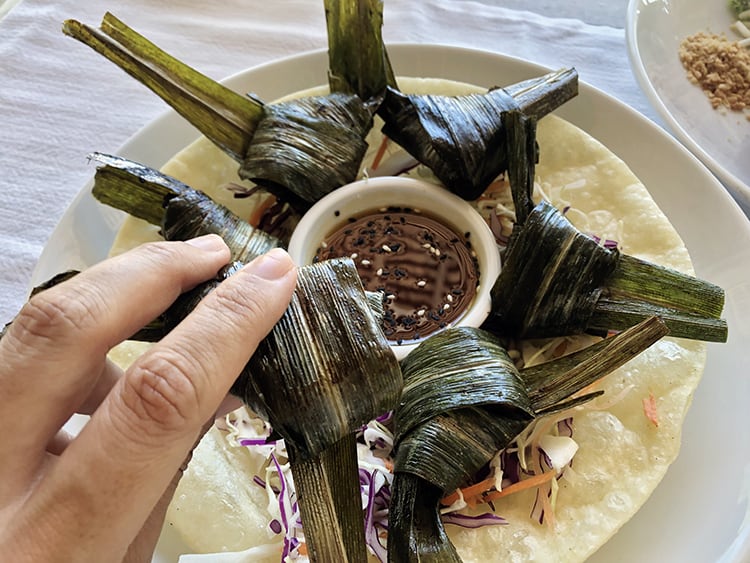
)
(698, 512)
(654, 31)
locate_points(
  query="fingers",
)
(59, 442)
(99, 389)
(154, 414)
(53, 353)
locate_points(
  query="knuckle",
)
(231, 301)
(158, 252)
(51, 315)
(160, 390)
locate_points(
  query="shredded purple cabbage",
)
(256, 442)
(376, 496)
(291, 542)
(375, 485)
(565, 427)
(609, 244)
(465, 521)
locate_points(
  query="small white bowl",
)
(333, 210)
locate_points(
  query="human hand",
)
(102, 495)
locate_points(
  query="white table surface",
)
(595, 12)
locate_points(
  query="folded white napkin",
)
(60, 101)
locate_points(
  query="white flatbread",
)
(622, 455)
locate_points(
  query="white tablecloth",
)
(60, 101)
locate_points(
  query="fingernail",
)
(212, 243)
(273, 265)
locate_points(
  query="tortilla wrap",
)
(622, 454)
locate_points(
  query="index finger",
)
(134, 443)
(54, 352)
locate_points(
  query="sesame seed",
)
(354, 256)
(446, 306)
(449, 297)
(324, 244)
(386, 248)
(421, 283)
(365, 262)
(379, 272)
(420, 313)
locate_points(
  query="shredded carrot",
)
(649, 409)
(379, 155)
(480, 492)
(388, 465)
(529, 483)
(470, 492)
(302, 548)
(260, 209)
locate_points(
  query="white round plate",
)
(654, 31)
(697, 512)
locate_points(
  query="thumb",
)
(124, 459)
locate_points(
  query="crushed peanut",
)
(720, 67)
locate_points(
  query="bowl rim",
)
(435, 201)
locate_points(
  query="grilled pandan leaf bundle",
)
(358, 62)
(310, 146)
(300, 149)
(463, 401)
(557, 281)
(462, 139)
(325, 370)
(181, 212)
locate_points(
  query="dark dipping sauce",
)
(426, 271)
